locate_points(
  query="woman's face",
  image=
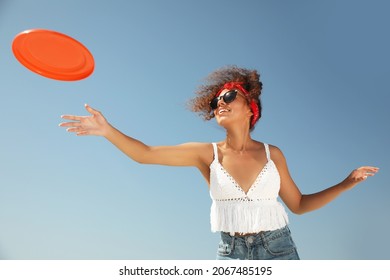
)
(235, 112)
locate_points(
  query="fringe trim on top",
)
(247, 216)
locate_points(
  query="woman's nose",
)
(221, 101)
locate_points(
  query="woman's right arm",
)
(189, 154)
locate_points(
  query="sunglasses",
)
(228, 97)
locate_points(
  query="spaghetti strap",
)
(267, 151)
(215, 148)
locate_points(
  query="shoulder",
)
(276, 153)
(204, 153)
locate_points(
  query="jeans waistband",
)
(257, 237)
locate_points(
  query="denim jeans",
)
(266, 245)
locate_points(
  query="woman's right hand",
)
(95, 124)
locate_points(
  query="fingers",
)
(71, 117)
(74, 129)
(368, 168)
(84, 125)
(362, 173)
(91, 110)
(82, 133)
(76, 119)
(72, 124)
(79, 131)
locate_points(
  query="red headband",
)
(252, 104)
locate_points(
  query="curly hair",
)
(215, 81)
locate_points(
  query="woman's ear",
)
(250, 113)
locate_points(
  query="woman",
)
(245, 176)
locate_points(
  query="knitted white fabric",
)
(235, 211)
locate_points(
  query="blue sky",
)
(325, 69)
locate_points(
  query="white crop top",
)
(235, 211)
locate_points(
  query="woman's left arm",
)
(300, 203)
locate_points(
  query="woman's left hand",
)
(361, 174)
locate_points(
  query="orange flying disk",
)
(53, 55)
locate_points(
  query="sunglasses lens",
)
(214, 103)
(227, 98)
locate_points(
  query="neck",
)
(238, 140)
